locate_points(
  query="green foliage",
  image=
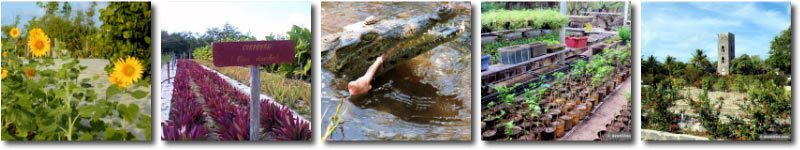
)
(57, 105)
(708, 115)
(518, 19)
(656, 100)
(505, 93)
(780, 53)
(203, 53)
(126, 32)
(745, 65)
(301, 68)
(624, 32)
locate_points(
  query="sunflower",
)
(114, 80)
(30, 73)
(14, 32)
(36, 32)
(127, 71)
(38, 42)
(4, 74)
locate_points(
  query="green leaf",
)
(128, 112)
(87, 136)
(139, 94)
(112, 90)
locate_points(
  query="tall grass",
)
(295, 94)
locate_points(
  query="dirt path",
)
(587, 130)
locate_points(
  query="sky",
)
(258, 18)
(28, 10)
(678, 28)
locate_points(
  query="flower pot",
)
(489, 134)
(567, 122)
(581, 111)
(590, 106)
(538, 132)
(576, 41)
(576, 117)
(559, 124)
(485, 62)
(549, 134)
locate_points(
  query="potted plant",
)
(625, 34)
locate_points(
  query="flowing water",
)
(426, 98)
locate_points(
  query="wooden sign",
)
(253, 53)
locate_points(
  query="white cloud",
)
(258, 18)
(677, 30)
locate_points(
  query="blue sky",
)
(27, 10)
(678, 28)
(258, 18)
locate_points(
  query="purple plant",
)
(292, 129)
(172, 132)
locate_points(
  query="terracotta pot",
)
(570, 106)
(559, 124)
(589, 107)
(567, 122)
(576, 117)
(581, 110)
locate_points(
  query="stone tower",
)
(726, 52)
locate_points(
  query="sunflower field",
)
(54, 87)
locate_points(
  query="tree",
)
(669, 64)
(780, 53)
(743, 65)
(700, 59)
(126, 32)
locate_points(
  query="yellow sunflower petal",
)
(38, 43)
(4, 74)
(128, 71)
(14, 33)
(30, 73)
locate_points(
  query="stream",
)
(427, 98)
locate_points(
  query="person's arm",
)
(361, 85)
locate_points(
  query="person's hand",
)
(359, 86)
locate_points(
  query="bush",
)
(126, 32)
(656, 100)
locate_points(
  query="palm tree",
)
(669, 63)
(699, 59)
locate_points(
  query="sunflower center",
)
(128, 70)
(39, 44)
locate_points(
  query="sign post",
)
(253, 53)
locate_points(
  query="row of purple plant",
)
(186, 114)
(229, 109)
